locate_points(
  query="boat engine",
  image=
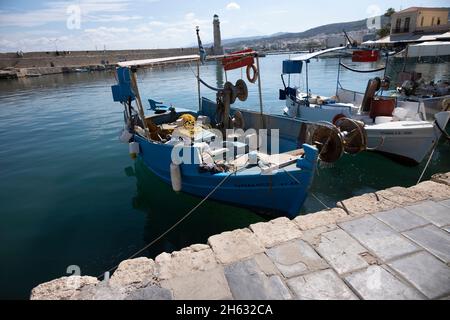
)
(347, 136)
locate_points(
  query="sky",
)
(33, 25)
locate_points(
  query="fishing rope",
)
(312, 193)
(175, 225)
(428, 162)
(362, 71)
(445, 134)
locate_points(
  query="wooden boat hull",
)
(283, 192)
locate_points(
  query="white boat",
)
(398, 128)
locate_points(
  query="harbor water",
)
(71, 196)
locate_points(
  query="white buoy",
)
(134, 149)
(175, 177)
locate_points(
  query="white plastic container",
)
(253, 157)
(400, 113)
(134, 149)
(381, 120)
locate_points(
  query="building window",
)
(439, 22)
(398, 25)
(407, 23)
(422, 21)
(432, 22)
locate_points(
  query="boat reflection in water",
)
(164, 208)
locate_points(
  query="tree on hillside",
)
(386, 30)
(389, 12)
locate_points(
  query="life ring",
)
(255, 73)
(338, 117)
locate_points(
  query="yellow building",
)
(420, 20)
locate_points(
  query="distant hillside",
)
(328, 29)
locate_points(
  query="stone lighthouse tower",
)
(218, 49)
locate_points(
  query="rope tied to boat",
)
(312, 193)
(174, 225)
(362, 71)
(444, 133)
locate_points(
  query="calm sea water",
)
(70, 195)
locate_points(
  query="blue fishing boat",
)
(236, 156)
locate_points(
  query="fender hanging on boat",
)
(175, 177)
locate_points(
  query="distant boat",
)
(33, 75)
(82, 70)
(396, 127)
(238, 170)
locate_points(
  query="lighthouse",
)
(218, 49)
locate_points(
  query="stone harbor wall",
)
(13, 65)
(391, 244)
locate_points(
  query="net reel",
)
(347, 136)
(237, 91)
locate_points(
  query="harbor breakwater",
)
(17, 65)
(390, 244)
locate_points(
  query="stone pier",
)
(392, 244)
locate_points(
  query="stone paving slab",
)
(296, 258)
(431, 190)
(433, 240)
(376, 283)
(200, 285)
(341, 251)
(445, 203)
(232, 246)
(181, 263)
(344, 253)
(248, 282)
(401, 219)
(432, 211)
(319, 219)
(321, 285)
(365, 204)
(276, 231)
(150, 293)
(425, 272)
(385, 242)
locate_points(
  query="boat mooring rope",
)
(444, 133)
(175, 225)
(428, 162)
(315, 197)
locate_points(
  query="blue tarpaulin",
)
(122, 91)
(291, 67)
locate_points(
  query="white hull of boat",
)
(409, 144)
(409, 141)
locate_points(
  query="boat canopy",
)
(159, 61)
(308, 56)
(429, 49)
(184, 59)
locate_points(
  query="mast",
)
(261, 108)
(307, 80)
(338, 75)
(198, 87)
(138, 99)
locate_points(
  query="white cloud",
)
(95, 11)
(233, 6)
